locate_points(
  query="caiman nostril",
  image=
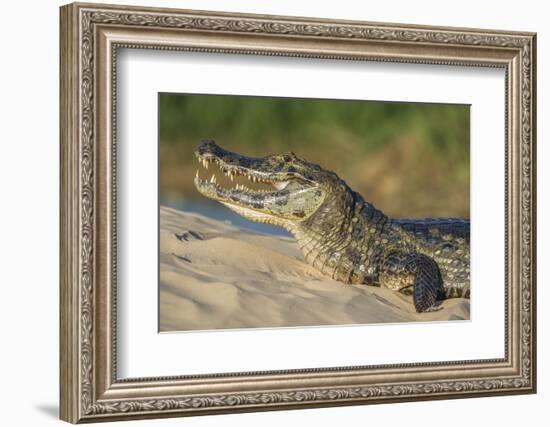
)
(207, 144)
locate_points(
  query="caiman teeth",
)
(232, 172)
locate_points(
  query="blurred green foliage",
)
(252, 120)
(422, 145)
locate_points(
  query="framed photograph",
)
(266, 212)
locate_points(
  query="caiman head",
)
(280, 189)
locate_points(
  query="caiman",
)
(338, 232)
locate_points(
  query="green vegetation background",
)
(408, 159)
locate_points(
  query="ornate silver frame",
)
(90, 36)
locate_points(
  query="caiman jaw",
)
(211, 188)
(232, 173)
(272, 198)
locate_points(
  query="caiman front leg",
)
(412, 273)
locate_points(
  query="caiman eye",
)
(288, 157)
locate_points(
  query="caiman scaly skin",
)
(341, 234)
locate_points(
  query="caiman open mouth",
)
(243, 180)
(274, 189)
(234, 178)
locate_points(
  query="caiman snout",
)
(207, 148)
